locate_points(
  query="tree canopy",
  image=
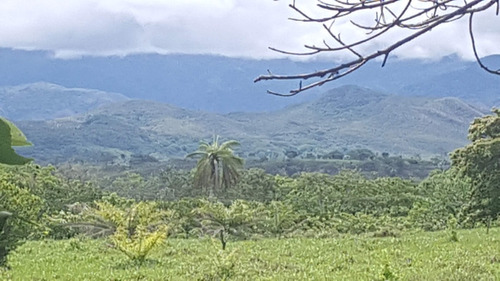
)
(480, 161)
(218, 166)
(11, 136)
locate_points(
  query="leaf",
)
(7, 153)
(17, 137)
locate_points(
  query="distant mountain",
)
(470, 83)
(197, 82)
(353, 117)
(342, 119)
(45, 101)
(223, 85)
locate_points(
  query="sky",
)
(235, 28)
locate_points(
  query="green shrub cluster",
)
(34, 195)
(348, 202)
(135, 211)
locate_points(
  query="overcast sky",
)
(241, 28)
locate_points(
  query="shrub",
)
(24, 208)
(139, 229)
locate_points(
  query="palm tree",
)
(218, 166)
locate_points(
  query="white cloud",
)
(243, 28)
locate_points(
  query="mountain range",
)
(222, 85)
(344, 118)
(149, 107)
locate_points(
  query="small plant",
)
(387, 274)
(139, 229)
(280, 219)
(452, 225)
(223, 266)
(138, 245)
(135, 230)
(222, 221)
(74, 244)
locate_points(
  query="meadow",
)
(411, 256)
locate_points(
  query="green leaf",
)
(17, 137)
(7, 153)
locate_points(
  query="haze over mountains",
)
(44, 101)
(221, 84)
(151, 107)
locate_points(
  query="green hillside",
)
(342, 119)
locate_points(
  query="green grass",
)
(418, 256)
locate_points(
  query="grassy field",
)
(417, 256)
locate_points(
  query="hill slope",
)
(44, 101)
(345, 118)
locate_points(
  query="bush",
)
(22, 224)
(138, 229)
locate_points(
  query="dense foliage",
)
(480, 161)
(135, 213)
(33, 194)
(258, 206)
(10, 195)
(11, 136)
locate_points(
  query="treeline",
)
(48, 205)
(138, 212)
(365, 161)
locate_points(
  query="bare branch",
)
(474, 49)
(417, 17)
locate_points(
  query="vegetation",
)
(349, 225)
(417, 256)
(138, 229)
(218, 166)
(342, 121)
(480, 162)
(11, 136)
(36, 196)
(221, 221)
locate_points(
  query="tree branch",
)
(417, 20)
(474, 49)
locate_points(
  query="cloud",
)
(240, 28)
(67, 27)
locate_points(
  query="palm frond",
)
(196, 154)
(229, 144)
(217, 165)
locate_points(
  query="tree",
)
(11, 136)
(222, 221)
(416, 18)
(20, 212)
(218, 166)
(280, 219)
(253, 185)
(480, 161)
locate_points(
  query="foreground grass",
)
(419, 256)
